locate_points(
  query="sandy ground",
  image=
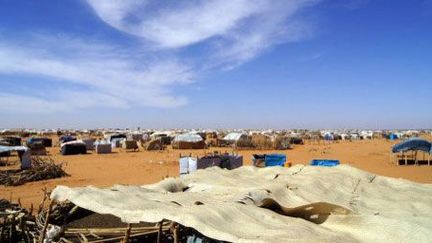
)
(143, 167)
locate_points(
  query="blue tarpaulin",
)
(414, 144)
(275, 159)
(324, 162)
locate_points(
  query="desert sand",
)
(144, 167)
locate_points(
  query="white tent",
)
(188, 137)
(234, 136)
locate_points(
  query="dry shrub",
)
(43, 168)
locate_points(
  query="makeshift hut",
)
(103, 147)
(24, 154)
(89, 142)
(211, 139)
(129, 144)
(154, 144)
(66, 138)
(73, 147)
(237, 140)
(297, 204)
(190, 164)
(266, 160)
(188, 141)
(119, 136)
(47, 142)
(11, 140)
(117, 142)
(36, 145)
(407, 151)
(165, 137)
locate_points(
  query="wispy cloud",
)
(112, 75)
(236, 31)
(115, 77)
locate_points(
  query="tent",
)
(73, 147)
(11, 140)
(238, 139)
(36, 145)
(275, 204)
(66, 138)
(226, 161)
(103, 147)
(111, 137)
(266, 160)
(23, 153)
(129, 144)
(188, 141)
(89, 143)
(154, 144)
(413, 145)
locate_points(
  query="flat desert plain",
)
(143, 167)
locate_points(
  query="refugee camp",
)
(210, 121)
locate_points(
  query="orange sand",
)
(137, 168)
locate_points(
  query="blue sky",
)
(216, 64)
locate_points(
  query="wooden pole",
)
(159, 237)
(44, 229)
(128, 231)
(176, 233)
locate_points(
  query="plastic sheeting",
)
(188, 137)
(25, 158)
(234, 136)
(413, 144)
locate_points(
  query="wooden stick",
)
(121, 237)
(84, 239)
(160, 231)
(128, 231)
(42, 236)
(176, 234)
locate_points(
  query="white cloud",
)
(107, 75)
(104, 74)
(241, 29)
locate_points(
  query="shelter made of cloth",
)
(414, 144)
(274, 204)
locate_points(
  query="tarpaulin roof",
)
(413, 144)
(274, 204)
(12, 148)
(234, 136)
(188, 137)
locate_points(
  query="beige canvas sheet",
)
(301, 203)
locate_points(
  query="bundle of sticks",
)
(43, 168)
(51, 224)
(16, 223)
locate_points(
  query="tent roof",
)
(413, 144)
(188, 137)
(234, 136)
(275, 204)
(12, 148)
